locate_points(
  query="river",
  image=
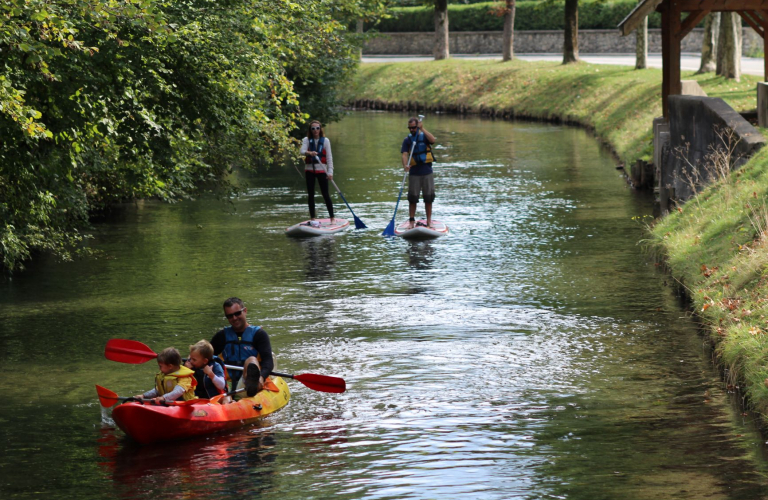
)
(534, 352)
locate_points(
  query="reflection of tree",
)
(320, 258)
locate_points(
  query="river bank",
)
(715, 245)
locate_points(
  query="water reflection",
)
(319, 257)
(421, 255)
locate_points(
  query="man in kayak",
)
(419, 170)
(244, 345)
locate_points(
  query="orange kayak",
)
(147, 423)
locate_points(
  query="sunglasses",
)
(315, 128)
(235, 314)
(412, 128)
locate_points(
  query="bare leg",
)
(428, 210)
(411, 212)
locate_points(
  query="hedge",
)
(529, 15)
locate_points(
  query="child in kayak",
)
(174, 381)
(208, 373)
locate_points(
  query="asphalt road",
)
(749, 65)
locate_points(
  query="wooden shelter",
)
(674, 28)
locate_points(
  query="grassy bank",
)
(716, 245)
(618, 103)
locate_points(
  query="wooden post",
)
(670, 53)
(764, 19)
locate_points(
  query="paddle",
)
(134, 352)
(108, 398)
(358, 223)
(390, 229)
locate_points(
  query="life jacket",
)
(165, 383)
(422, 151)
(321, 155)
(236, 351)
(205, 387)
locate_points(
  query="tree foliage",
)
(110, 100)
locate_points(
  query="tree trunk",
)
(508, 42)
(641, 47)
(360, 33)
(441, 30)
(571, 33)
(709, 43)
(729, 46)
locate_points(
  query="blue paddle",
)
(390, 229)
(358, 223)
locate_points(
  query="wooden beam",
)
(670, 53)
(637, 15)
(690, 22)
(720, 5)
(747, 16)
(764, 22)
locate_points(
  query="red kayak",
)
(148, 423)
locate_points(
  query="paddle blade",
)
(358, 223)
(107, 398)
(128, 351)
(390, 229)
(322, 383)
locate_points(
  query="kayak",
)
(317, 227)
(149, 423)
(420, 231)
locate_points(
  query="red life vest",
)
(321, 157)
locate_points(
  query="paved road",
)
(749, 65)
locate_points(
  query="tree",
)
(729, 46)
(709, 42)
(641, 45)
(508, 41)
(442, 50)
(110, 100)
(571, 32)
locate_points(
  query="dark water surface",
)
(535, 352)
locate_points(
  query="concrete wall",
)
(697, 127)
(532, 42)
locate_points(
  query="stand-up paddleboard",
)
(420, 231)
(317, 227)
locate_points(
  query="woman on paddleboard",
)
(318, 164)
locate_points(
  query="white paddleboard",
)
(421, 232)
(317, 227)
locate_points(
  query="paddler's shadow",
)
(420, 255)
(319, 257)
(191, 464)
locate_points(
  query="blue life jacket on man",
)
(422, 151)
(238, 348)
(321, 155)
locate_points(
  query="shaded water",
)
(535, 352)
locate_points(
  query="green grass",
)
(716, 245)
(618, 103)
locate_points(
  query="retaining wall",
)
(533, 42)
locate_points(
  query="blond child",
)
(208, 373)
(174, 381)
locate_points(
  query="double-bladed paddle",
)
(134, 352)
(109, 398)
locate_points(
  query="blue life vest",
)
(422, 151)
(321, 156)
(237, 351)
(205, 388)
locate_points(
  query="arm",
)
(262, 344)
(218, 342)
(216, 374)
(405, 162)
(405, 150)
(175, 394)
(152, 393)
(427, 134)
(304, 146)
(328, 158)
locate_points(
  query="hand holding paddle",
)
(134, 352)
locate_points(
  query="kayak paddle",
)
(358, 223)
(134, 352)
(108, 398)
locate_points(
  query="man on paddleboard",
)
(244, 345)
(419, 169)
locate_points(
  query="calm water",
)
(532, 353)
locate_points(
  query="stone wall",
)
(537, 42)
(698, 126)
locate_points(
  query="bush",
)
(529, 16)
